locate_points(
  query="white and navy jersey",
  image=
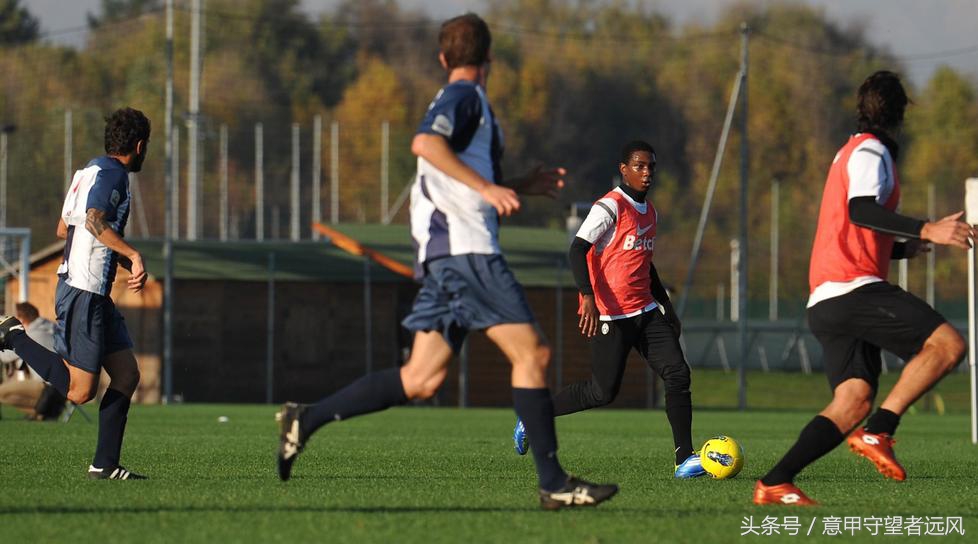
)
(448, 217)
(104, 185)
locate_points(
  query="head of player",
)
(464, 44)
(127, 137)
(637, 166)
(881, 103)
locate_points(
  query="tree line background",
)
(571, 82)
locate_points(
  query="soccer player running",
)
(623, 306)
(456, 200)
(91, 333)
(854, 312)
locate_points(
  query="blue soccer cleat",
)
(520, 443)
(691, 467)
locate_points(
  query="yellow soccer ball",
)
(722, 457)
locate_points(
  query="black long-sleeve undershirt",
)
(577, 256)
(866, 212)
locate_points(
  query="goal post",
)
(971, 211)
(15, 257)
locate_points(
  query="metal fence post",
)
(270, 342)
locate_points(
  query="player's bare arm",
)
(62, 231)
(96, 224)
(539, 181)
(434, 149)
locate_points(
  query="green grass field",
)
(446, 475)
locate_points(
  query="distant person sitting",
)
(22, 388)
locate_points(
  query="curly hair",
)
(123, 128)
(465, 41)
(634, 146)
(881, 102)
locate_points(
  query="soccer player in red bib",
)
(623, 306)
(854, 312)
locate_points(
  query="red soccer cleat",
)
(787, 494)
(878, 448)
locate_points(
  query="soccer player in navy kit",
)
(91, 333)
(456, 199)
(624, 306)
(854, 312)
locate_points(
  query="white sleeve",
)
(868, 172)
(601, 219)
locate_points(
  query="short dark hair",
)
(26, 310)
(465, 41)
(632, 147)
(123, 128)
(881, 102)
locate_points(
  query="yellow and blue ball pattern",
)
(722, 457)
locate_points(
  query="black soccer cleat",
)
(8, 323)
(291, 439)
(576, 492)
(113, 473)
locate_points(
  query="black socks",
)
(112, 416)
(679, 410)
(535, 408)
(47, 364)
(883, 421)
(372, 393)
(819, 437)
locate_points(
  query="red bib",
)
(843, 251)
(620, 271)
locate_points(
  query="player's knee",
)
(537, 358)
(80, 395)
(126, 382)
(953, 349)
(541, 356)
(599, 396)
(422, 392)
(947, 345)
(676, 379)
(421, 387)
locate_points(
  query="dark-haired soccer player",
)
(91, 333)
(623, 306)
(456, 200)
(854, 312)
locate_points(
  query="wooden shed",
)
(320, 339)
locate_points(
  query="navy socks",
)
(372, 393)
(47, 364)
(535, 408)
(112, 416)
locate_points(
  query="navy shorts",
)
(89, 327)
(853, 327)
(467, 292)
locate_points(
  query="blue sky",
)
(922, 32)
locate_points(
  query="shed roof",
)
(537, 256)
